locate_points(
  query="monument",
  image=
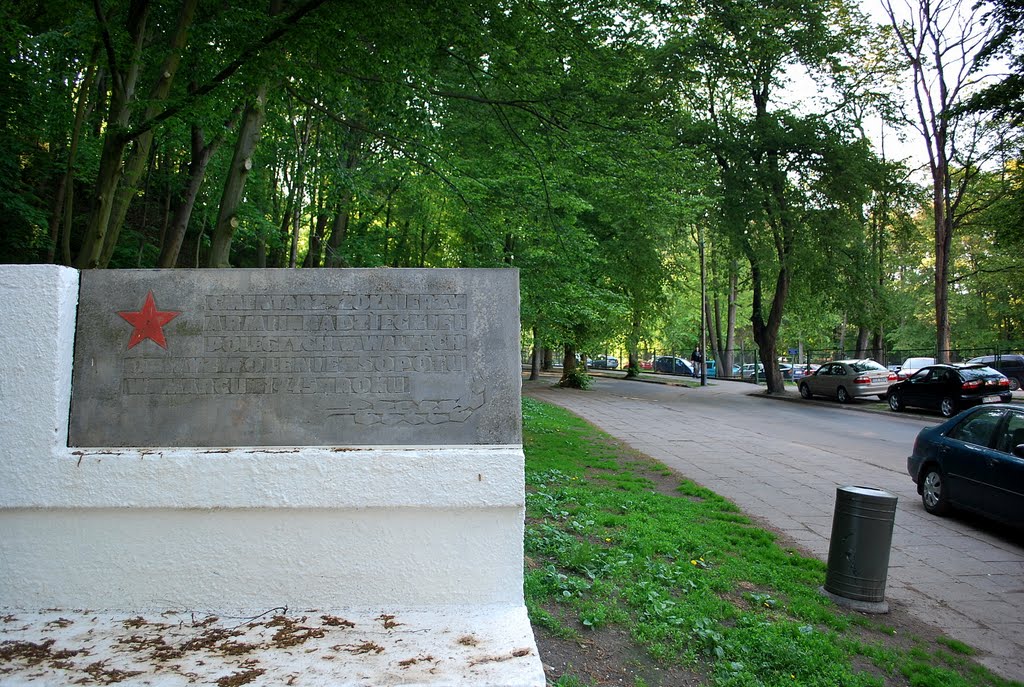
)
(266, 476)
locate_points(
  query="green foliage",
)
(582, 144)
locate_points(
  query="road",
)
(782, 461)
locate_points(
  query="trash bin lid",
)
(866, 491)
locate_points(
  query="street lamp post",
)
(703, 309)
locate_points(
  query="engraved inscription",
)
(325, 344)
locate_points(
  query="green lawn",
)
(613, 537)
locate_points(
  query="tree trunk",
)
(56, 215)
(943, 244)
(136, 164)
(568, 365)
(234, 185)
(633, 343)
(766, 332)
(714, 353)
(339, 229)
(535, 357)
(201, 155)
(123, 84)
(862, 341)
(730, 330)
(313, 257)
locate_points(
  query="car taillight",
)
(863, 379)
(893, 376)
(1004, 382)
(973, 384)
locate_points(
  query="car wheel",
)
(805, 391)
(843, 395)
(895, 402)
(947, 407)
(1014, 383)
(933, 491)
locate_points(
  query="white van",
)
(912, 365)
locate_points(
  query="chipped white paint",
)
(133, 530)
(300, 648)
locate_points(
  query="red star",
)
(148, 323)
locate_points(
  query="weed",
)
(957, 647)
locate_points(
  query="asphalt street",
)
(781, 462)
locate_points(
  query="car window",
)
(978, 372)
(978, 427)
(1013, 434)
(922, 375)
(866, 366)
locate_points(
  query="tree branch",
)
(229, 70)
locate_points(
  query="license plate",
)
(992, 399)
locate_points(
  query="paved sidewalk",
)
(966, 580)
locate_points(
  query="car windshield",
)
(867, 366)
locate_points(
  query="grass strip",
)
(614, 538)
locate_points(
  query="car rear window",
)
(868, 366)
(979, 372)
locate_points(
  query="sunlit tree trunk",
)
(123, 79)
(234, 184)
(136, 164)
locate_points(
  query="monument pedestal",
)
(323, 565)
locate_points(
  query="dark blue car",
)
(673, 365)
(973, 461)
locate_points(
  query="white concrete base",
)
(137, 531)
(475, 646)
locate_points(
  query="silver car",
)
(846, 380)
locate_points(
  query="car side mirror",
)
(1018, 450)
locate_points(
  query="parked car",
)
(801, 371)
(973, 461)
(1010, 364)
(950, 388)
(846, 380)
(672, 365)
(646, 364)
(912, 365)
(604, 362)
(748, 371)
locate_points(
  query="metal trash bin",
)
(858, 554)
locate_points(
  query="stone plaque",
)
(317, 357)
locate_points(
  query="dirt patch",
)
(608, 656)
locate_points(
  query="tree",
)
(939, 42)
(785, 178)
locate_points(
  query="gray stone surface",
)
(353, 357)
